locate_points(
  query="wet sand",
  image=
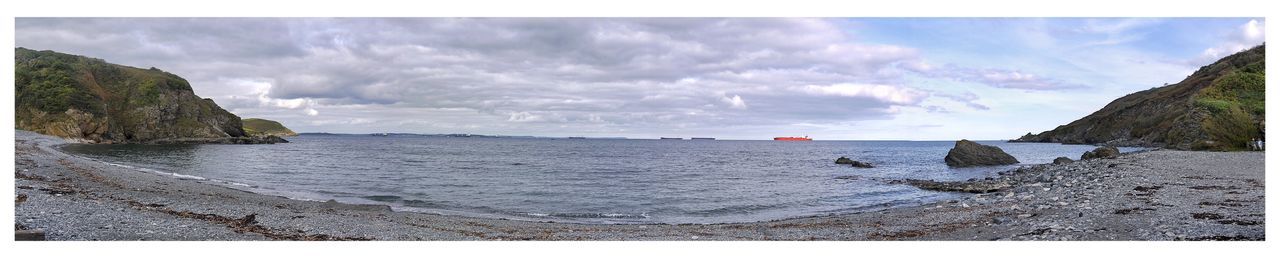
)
(1156, 195)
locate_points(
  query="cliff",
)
(1219, 107)
(89, 99)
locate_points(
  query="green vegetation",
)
(1219, 107)
(82, 97)
(45, 83)
(261, 127)
(1236, 106)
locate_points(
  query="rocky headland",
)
(92, 101)
(1219, 107)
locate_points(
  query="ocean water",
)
(578, 180)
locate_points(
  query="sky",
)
(735, 78)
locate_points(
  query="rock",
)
(844, 160)
(1062, 160)
(969, 187)
(967, 153)
(860, 164)
(1105, 152)
(854, 163)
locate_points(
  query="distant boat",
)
(381, 134)
(702, 138)
(577, 137)
(791, 138)
(671, 138)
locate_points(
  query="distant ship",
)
(577, 137)
(702, 138)
(671, 138)
(789, 138)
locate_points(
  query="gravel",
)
(1155, 195)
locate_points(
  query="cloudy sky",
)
(856, 79)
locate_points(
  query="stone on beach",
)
(1105, 152)
(1062, 160)
(967, 153)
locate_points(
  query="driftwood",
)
(28, 235)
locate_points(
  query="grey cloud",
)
(535, 75)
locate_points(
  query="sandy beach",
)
(1154, 195)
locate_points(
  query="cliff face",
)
(1219, 107)
(86, 98)
(263, 127)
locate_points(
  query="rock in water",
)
(1105, 152)
(1062, 160)
(843, 160)
(860, 164)
(983, 186)
(855, 163)
(967, 153)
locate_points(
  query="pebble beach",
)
(1151, 195)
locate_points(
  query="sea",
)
(598, 181)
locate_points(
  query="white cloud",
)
(1245, 36)
(885, 93)
(735, 102)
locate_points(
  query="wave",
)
(738, 209)
(153, 171)
(589, 215)
(174, 175)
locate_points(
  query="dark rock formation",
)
(98, 102)
(844, 160)
(860, 164)
(1105, 152)
(976, 186)
(1219, 107)
(1062, 160)
(854, 163)
(967, 153)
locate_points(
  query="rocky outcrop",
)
(854, 163)
(1219, 107)
(1105, 152)
(93, 101)
(844, 160)
(975, 186)
(1062, 160)
(967, 153)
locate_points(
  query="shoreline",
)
(74, 198)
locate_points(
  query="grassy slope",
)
(1236, 106)
(258, 126)
(1219, 107)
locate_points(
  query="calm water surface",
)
(578, 180)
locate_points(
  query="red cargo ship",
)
(805, 138)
